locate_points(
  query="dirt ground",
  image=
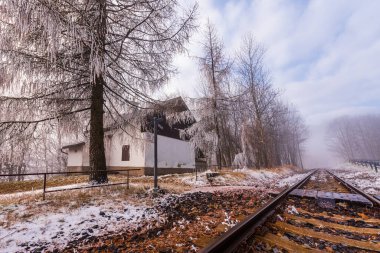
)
(192, 221)
(185, 215)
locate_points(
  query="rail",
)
(45, 174)
(357, 190)
(239, 233)
(374, 164)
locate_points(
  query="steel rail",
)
(230, 240)
(357, 190)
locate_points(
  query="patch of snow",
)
(228, 222)
(292, 210)
(243, 177)
(362, 177)
(55, 230)
(290, 180)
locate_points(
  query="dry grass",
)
(54, 181)
(172, 183)
(80, 197)
(30, 185)
(237, 175)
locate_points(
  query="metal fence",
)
(45, 179)
(374, 164)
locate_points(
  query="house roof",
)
(176, 104)
(173, 105)
(74, 145)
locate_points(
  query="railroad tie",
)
(327, 237)
(321, 223)
(357, 198)
(285, 243)
(338, 218)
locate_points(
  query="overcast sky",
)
(324, 56)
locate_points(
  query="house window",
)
(125, 153)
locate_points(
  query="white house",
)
(124, 151)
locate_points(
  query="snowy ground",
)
(270, 179)
(41, 227)
(362, 177)
(29, 224)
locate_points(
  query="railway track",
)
(321, 213)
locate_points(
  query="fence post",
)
(128, 179)
(43, 193)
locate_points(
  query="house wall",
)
(174, 156)
(86, 154)
(136, 150)
(172, 153)
(75, 156)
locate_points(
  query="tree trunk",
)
(216, 121)
(97, 153)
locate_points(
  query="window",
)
(125, 153)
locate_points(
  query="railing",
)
(45, 174)
(374, 164)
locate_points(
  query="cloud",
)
(323, 55)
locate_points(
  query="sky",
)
(323, 56)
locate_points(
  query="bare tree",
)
(215, 69)
(241, 119)
(260, 96)
(73, 61)
(355, 137)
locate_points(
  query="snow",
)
(362, 177)
(290, 180)
(292, 210)
(263, 178)
(57, 229)
(225, 188)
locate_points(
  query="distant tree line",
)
(355, 137)
(39, 151)
(241, 119)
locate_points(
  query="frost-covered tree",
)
(211, 130)
(259, 98)
(14, 156)
(76, 60)
(355, 137)
(288, 133)
(240, 118)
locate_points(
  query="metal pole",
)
(43, 193)
(155, 153)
